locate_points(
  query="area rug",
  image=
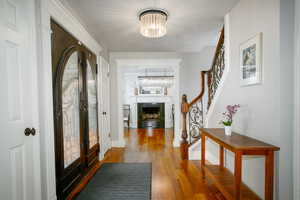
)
(118, 181)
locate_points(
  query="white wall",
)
(286, 99)
(266, 112)
(193, 64)
(296, 149)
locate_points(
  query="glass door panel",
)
(92, 105)
(70, 110)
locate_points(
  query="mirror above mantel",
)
(165, 81)
(154, 85)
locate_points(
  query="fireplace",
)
(151, 115)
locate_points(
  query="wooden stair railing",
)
(185, 109)
(214, 75)
(194, 111)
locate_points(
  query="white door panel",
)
(105, 110)
(17, 75)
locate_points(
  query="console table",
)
(231, 185)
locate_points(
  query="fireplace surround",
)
(151, 115)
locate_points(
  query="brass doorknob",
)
(29, 131)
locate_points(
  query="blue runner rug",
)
(118, 181)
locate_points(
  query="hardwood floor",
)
(172, 178)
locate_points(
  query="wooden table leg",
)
(221, 156)
(202, 150)
(269, 175)
(238, 174)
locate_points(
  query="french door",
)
(19, 143)
(75, 109)
(92, 137)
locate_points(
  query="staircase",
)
(193, 113)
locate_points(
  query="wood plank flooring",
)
(172, 178)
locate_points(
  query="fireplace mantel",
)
(153, 99)
(168, 100)
(151, 115)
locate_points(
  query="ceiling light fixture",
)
(153, 23)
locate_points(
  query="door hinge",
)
(96, 68)
(107, 74)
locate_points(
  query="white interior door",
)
(19, 154)
(105, 111)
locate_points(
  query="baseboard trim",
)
(176, 143)
(211, 158)
(53, 197)
(118, 143)
(196, 155)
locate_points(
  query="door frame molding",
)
(45, 10)
(122, 64)
(296, 150)
(101, 61)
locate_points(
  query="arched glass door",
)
(75, 109)
(92, 105)
(70, 110)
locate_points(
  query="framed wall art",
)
(251, 61)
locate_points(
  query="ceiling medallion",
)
(153, 23)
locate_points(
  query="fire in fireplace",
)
(151, 115)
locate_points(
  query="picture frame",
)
(251, 61)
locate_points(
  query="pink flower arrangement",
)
(228, 115)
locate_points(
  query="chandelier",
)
(153, 23)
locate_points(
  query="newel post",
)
(184, 135)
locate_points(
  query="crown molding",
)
(63, 16)
(153, 63)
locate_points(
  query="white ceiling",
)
(192, 24)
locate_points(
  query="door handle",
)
(29, 131)
(83, 107)
(33, 132)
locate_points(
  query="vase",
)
(228, 130)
